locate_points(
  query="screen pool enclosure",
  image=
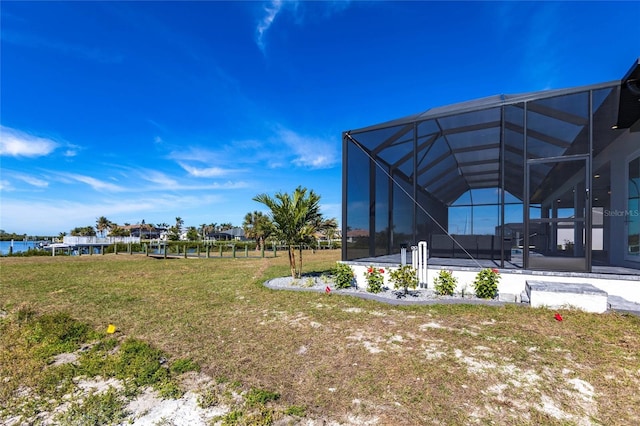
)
(546, 180)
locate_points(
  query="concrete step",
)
(566, 295)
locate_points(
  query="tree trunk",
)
(292, 261)
(300, 270)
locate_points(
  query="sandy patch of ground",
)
(149, 410)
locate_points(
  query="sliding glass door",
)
(558, 214)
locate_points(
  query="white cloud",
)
(158, 178)
(311, 152)
(271, 11)
(94, 183)
(274, 8)
(15, 143)
(207, 172)
(5, 185)
(49, 217)
(31, 180)
(194, 154)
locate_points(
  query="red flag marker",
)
(327, 290)
(558, 316)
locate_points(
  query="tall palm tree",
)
(257, 226)
(192, 233)
(328, 228)
(179, 223)
(103, 224)
(83, 231)
(176, 231)
(295, 218)
(226, 226)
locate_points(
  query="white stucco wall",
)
(513, 282)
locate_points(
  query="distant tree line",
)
(8, 236)
(293, 220)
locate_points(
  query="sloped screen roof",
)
(458, 146)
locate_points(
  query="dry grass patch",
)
(343, 359)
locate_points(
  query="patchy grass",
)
(339, 359)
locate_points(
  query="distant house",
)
(144, 231)
(233, 234)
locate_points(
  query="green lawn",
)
(341, 358)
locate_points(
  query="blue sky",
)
(153, 110)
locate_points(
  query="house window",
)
(632, 215)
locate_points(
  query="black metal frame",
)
(451, 149)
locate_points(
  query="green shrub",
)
(231, 418)
(96, 409)
(486, 283)
(169, 390)
(445, 283)
(210, 397)
(343, 275)
(260, 397)
(296, 410)
(183, 365)
(404, 277)
(141, 362)
(375, 279)
(57, 333)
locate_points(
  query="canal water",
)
(18, 246)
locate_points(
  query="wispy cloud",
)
(15, 143)
(31, 180)
(70, 152)
(280, 147)
(194, 154)
(271, 10)
(94, 183)
(42, 217)
(158, 178)
(310, 152)
(207, 172)
(5, 185)
(92, 53)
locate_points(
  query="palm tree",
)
(192, 233)
(257, 226)
(203, 230)
(117, 231)
(328, 228)
(176, 231)
(295, 219)
(103, 224)
(84, 231)
(179, 223)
